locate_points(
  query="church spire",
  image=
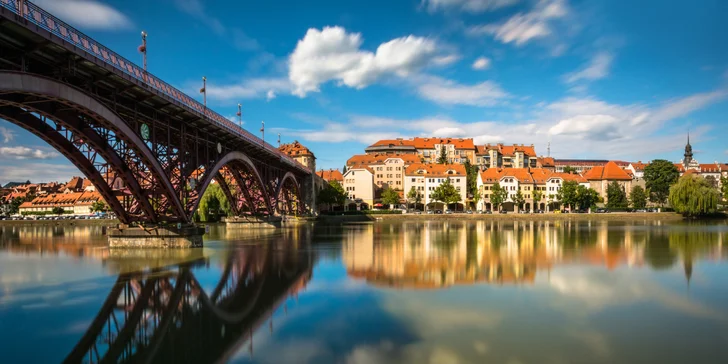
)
(688, 153)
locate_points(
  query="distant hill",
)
(14, 184)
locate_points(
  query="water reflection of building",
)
(441, 254)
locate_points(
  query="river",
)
(384, 292)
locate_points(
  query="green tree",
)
(390, 197)
(413, 196)
(442, 159)
(567, 193)
(616, 197)
(638, 197)
(586, 197)
(58, 210)
(446, 193)
(213, 204)
(724, 188)
(518, 199)
(476, 197)
(498, 196)
(693, 196)
(471, 180)
(570, 170)
(332, 194)
(99, 206)
(660, 174)
(712, 181)
(537, 196)
(343, 170)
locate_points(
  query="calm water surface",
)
(432, 292)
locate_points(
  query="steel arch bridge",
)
(165, 315)
(149, 149)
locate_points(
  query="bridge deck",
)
(39, 43)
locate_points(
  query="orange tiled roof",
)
(379, 158)
(526, 175)
(680, 167)
(435, 170)
(639, 166)
(331, 175)
(427, 143)
(64, 199)
(610, 171)
(510, 150)
(710, 168)
(295, 149)
(360, 166)
(547, 162)
(690, 171)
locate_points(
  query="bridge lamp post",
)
(262, 130)
(143, 49)
(203, 91)
(279, 140)
(240, 115)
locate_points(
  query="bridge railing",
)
(37, 16)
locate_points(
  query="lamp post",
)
(203, 90)
(143, 49)
(279, 140)
(240, 115)
(262, 130)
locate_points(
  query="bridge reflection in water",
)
(167, 315)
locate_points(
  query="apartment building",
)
(528, 181)
(300, 153)
(505, 156)
(458, 150)
(425, 178)
(388, 168)
(359, 184)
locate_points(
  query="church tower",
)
(688, 153)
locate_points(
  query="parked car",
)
(469, 212)
(438, 212)
(601, 210)
(502, 212)
(449, 212)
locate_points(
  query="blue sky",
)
(611, 79)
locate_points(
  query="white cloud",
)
(482, 63)
(338, 133)
(486, 93)
(332, 54)
(270, 95)
(87, 13)
(471, 6)
(38, 172)
(7, 134)
(524, 27)
(597, 68)
(681, 107)
(26, 153)
(446, 60)
(248, 89)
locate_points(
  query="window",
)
(413, 179)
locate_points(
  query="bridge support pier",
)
(252, 222)
(155, 237)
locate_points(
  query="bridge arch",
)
(287, 189)
(238, 170)
(96, 140)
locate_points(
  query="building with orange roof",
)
(331, 175)
(637, 169)
(601, 176)
(388, 168)
(583, 165)
(458, 150)
(78, 203)
(546, 163)
(300, 153)
(506, 156)
(359, 186)
(425, 178)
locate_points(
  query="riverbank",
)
(96, 222)
(612, 216)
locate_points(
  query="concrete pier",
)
(252, 222)
(155, 237)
